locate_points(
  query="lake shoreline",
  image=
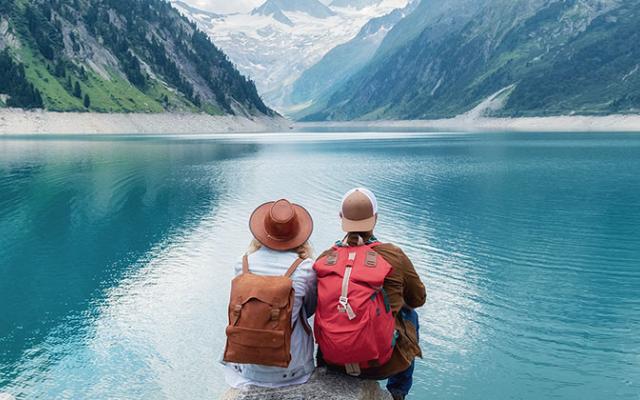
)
(18, 122)
(609, 123)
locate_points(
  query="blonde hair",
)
(304, 250)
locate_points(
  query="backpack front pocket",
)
(256, 346)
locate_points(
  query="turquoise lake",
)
(116, 255)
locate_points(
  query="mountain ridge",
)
(313, 8)
(550, 51)
(117, 56)
(344, 60)
(271, 9)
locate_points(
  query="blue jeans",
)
(401, 383)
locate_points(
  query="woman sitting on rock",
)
(269, 342)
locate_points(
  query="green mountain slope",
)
(597, 72)
(555, 56)
(115, 56)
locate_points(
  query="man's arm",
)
(404, 277)
(415, 294)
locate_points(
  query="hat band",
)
(278, 239)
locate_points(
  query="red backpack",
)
(354, 325)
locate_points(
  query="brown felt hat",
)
(281, 225)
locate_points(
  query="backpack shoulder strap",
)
(293, 267)
(245, 264)
(344, 299)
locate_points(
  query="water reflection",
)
(529, 246)
(76, 216)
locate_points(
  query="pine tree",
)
(87, 101)
(14, 83)
(59, 69)
(37, 99)
(77, 91)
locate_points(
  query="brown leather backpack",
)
(260, 308)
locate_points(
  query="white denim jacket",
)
(270, 262)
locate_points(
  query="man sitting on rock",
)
(365, 322)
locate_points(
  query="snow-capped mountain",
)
(277, 41)
(185, 7)
(311, 7)
(272, 10)
(354, 3)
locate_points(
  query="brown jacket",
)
(404, 288)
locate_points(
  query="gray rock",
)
(323, 385)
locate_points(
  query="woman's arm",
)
(311, 289)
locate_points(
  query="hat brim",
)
(258, 230)
(364, 225)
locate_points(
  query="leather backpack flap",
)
(259, 330)
(273, 290)
(265, 293)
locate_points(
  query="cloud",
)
(225, 6)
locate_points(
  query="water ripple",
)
(528, 246)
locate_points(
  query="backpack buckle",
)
(346, 307)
